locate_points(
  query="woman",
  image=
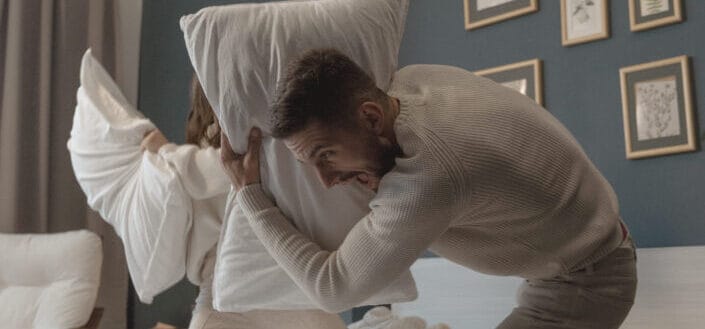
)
(164, 201)
(202, 130)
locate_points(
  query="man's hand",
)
(153, 140)
(242, 169)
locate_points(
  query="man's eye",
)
(325, 155)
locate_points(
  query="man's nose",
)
(327, 177)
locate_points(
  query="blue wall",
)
(662, 199)
(165, 70)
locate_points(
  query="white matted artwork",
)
(583, 21)
(647, 14)
(479, 13)
(524, 77)
(485, 4)
(518, 85)
(657, 108)
(653, 7)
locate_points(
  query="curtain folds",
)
(41, 45)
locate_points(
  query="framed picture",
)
(524, 77)
(584, 21)
(479, 13)
(657, 108)
(647, 14)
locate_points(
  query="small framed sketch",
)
(647, 14)
(584, 21)
(479, 13)
(657, 108)
(524, 77)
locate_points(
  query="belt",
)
(624, 230)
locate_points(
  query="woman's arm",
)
(153, 140)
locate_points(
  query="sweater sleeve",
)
(381, 246)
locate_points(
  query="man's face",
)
(341, 156)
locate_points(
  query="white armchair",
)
(50, 280)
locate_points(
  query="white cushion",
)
(49, 280)
(240, 52)
(137, 192)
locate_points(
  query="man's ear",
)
(372, 116)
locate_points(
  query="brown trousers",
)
(596, 297)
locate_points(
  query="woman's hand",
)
(153, 140)
(242, 169)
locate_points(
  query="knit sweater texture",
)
(488, 179)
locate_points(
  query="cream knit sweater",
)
(488, 179)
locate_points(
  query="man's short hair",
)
(322, 86)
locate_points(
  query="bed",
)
(670, 294)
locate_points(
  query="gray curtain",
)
(41, 44)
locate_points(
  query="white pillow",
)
(240, 52)
(49, 280)
(137, 192)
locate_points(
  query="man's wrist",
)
(253, 199)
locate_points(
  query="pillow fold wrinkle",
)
(240, 52)
(139, 193)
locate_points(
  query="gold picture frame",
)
(648, 14)
(657, 108)
(525, 77)
(479, 13)
(584, 21)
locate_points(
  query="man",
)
(475, 172)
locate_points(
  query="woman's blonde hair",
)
(201, 118)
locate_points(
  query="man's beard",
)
(382, 153)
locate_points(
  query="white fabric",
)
(206, 184)
(239, 53)
(383, 318)
(460, 297)
(48, 280)
(137, 192)
(151, 199)
(671, 289)
(670, 292)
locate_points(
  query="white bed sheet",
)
(670, 293)
(457, 296)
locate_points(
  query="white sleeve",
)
(199, 169)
